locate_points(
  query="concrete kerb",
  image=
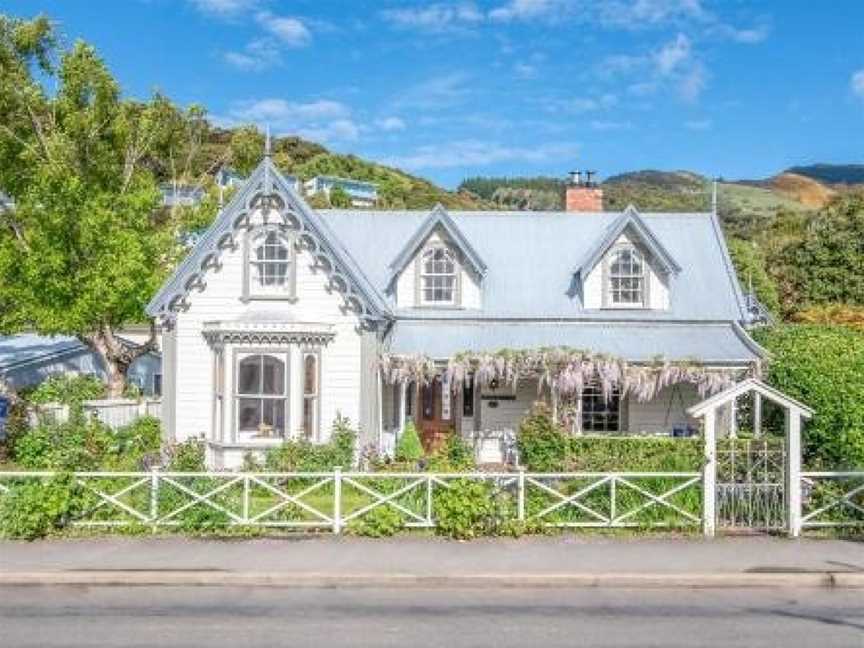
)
(215, 578)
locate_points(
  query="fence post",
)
(793, 472)
(709, 474)
(154, 497)
(337, 500)
(613, 493)
(520, 495)
(429, 500)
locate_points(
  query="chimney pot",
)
(584, 196)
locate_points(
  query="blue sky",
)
(515, 87)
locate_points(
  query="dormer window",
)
(626, 288)
(438, 277)
(270, 265)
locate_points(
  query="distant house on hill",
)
(180, 195)
(362, 194)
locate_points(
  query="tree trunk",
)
(117, 355)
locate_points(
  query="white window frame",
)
(423, 275)
(252, 286)
(282, 355)
(642, 277)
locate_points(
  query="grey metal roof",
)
(719, 342)
(531, 256)
(21, 350)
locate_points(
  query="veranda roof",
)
(721, 343)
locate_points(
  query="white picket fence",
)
(333, 500)
(114, 413)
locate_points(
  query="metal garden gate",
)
(751, 485)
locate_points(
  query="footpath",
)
(422, 562)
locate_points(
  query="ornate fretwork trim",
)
(266, 192)
(269, 333)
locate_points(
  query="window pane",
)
(274, 414)
(310, 374)
(274, 376)
(249, 376)
(249, 414)
(309, 416)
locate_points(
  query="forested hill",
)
(241, 149)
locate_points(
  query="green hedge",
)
(823, 367)
(546, 447)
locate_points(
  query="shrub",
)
(409, 448)
(454, 456)
(34, 509)
(68, 389)
(466, 509)
(305, 456)
(133, 442)
(381, 522)
(188, 456)
(543, 446)
(823, 367)
(80, 443)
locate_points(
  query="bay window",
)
(261, 394)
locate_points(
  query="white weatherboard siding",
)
(665, 411)
(220, 301)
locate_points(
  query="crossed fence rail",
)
(832, 499)
(334, 500)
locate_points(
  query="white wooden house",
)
(283, 317)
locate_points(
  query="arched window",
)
(270, 264)
(438, 276)
(311, 392)
(261, 395)
(626, 277)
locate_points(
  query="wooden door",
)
(434, 421)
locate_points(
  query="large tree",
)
(827, 264)
(86, 244)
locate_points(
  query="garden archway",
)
(794, 415)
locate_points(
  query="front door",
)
(434, 415)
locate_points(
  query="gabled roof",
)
(265, 180)
(629, 218)
(744, 387)
(438, 217)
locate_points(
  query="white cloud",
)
(638, 14)
(673, 55)
(391, 124)
(322, 120)
(857, 83)
(528, 10)
(693, 83)
(436, 93)
(476, 153)
(579, 105)
(223, 7)
(257, 55)
(290, 31)
(435, 17)
(699, 125)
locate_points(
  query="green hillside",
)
(242, 148)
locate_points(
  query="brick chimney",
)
(583, 193)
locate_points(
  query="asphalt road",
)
(245, 617)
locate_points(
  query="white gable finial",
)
(267, 149)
